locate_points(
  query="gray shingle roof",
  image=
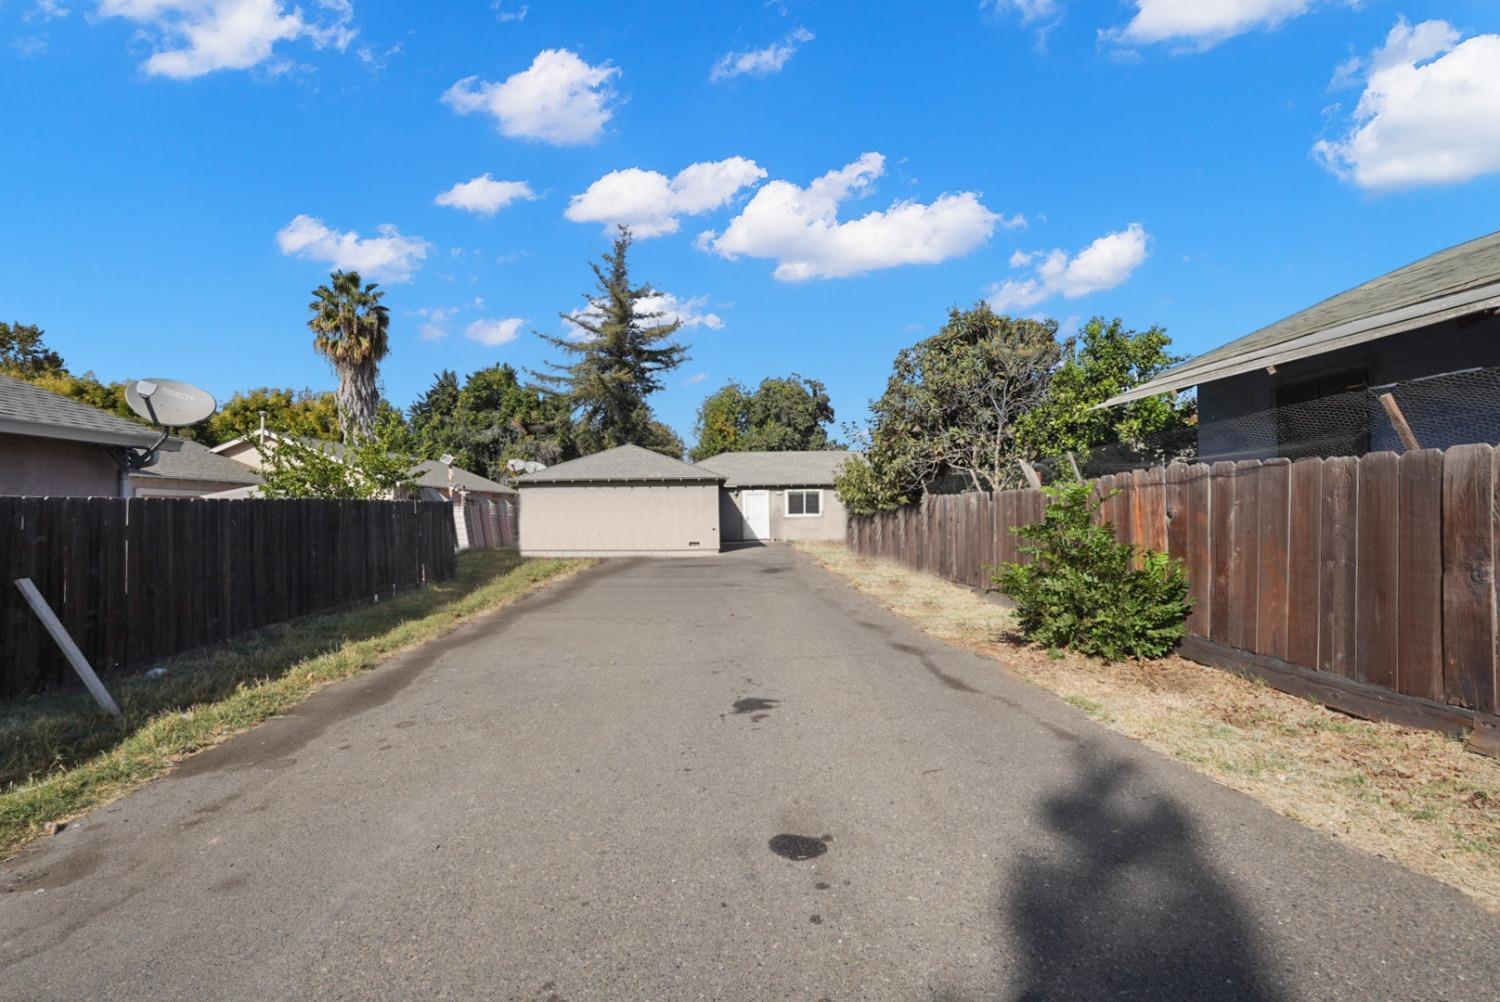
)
(1451, 283)
(192, 461)
(622, 463)
(435, 475)
(777, 469)
(30, 410)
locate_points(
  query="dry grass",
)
(1407, 795)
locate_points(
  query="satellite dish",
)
(168, 403)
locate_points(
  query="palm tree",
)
(350, 327)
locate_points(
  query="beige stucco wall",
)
(245, 452)
(43, 466)
(171, 487)
(829, 525)
(619, 520)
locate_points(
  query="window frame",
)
(786, 502)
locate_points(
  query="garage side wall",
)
(619, 520)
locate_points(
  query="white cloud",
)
(1101, 265)
(1429, 114)
(691, 313)
(503, 16)
(434, 326)
(194, 37)
(799, 227)
(1029, 10)
(494, 333)
(485, 195)
(1202, 23)
(559, 99)
(695, 379)
(762, 62)
(650, 203)
(389, 257)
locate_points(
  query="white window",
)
(804, 504)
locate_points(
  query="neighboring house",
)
(623, 502)
(50, 445)
(630, 501)
(192, 471)
(433, 478)
(779, 495)
(1311, 384)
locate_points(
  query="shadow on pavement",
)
(1127, 908)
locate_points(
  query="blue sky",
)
(179, 173)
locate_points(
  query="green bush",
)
(1082, 590)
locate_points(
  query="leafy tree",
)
(619, 361)
(351, 329)
(299, 413)
(782, 414)
(488, 420)
(1108, 359)
(661, 438)
(374, 467)
(949, 411)
(24, 355)
(1083, 590)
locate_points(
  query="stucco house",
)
(192, 471)
(50, 445)
(779, 495)
(630, 501)
(1427, 334)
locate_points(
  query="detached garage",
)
(624, 502)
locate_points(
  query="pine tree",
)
(618, 361)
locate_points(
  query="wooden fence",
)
(144, 578)
(1366, 583)
(486, 523)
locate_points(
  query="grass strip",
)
(1412, 796)
(60, 756)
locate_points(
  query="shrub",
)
(1082, 589)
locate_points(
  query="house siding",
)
(50, 466)
(1226, 407)
(830, 525)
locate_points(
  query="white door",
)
(757, 509)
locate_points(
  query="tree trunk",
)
(357, 399)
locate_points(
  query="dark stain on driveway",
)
(755, 704)
(956, 684)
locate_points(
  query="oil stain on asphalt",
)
(798, 848)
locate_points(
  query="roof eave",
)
(1398, 321)
(42, 429)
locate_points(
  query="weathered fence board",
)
(150, 577)
(1370, 577)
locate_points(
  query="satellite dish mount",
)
(167, 404)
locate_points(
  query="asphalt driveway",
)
(718, 778)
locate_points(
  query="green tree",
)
(1107, 359)
(299, 413)
(618, 362)
(782, 414)
(351, 329)
(1084, 590)
(950, 408)
(23, 353)
(375, 467)
(493, 417)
